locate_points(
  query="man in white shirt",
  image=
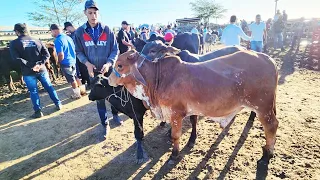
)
(232, 33)
(258, 32)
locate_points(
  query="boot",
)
(37, 114)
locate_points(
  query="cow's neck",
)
(150, 72)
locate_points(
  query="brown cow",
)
(52, 65)
(219, 88)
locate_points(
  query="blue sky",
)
(145, 11)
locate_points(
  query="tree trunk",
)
(56, 11)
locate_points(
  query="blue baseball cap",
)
(90, 4)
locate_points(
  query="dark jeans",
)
(102, 110)
(31, 82)
(82, 72)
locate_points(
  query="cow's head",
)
(99, 88)
(125, 70)
(158, 49)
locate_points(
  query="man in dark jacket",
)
(124, 38)
(97, 48)
(32, 55)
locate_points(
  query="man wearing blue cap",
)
(97, 48)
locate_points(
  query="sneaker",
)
(58, 107)
(37, 114)
(75, 96)
(106, 131)
(117, 119)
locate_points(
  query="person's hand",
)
(36, 68)
(105, 68)
(90, 68)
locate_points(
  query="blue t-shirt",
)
(64, 43)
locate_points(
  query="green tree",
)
(56, 11)
(207, 9)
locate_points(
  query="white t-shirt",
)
(257, 31)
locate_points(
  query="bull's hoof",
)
(139, 152)
(139, 161)
(267, 155)
(172, 160)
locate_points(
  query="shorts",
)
(69, 72)
(256, 46)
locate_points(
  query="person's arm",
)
(115, 50)
(250, 30)
(59, 46)
(122, 36)
(243, 35)
(223, 37)
(113, 54)
(265, 32)
(16, 56)
(80, 50)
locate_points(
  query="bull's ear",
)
(137, 75)
(172, 50)
(133, 55)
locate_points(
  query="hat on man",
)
(54, 27)
(125, 23)
(20, 27)
(90, 4)
(67, 24)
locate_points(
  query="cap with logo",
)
(67, 24)
(90, 4)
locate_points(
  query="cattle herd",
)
(175, 82)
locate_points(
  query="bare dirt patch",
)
(65, 145)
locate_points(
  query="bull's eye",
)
(119, 66)
(152, 51)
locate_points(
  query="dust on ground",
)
(65, 144)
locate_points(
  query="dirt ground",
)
(65, 145)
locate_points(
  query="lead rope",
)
(135, 115)
(124, 99)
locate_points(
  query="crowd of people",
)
(94, 47)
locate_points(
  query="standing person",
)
(97, 48)
(169, 30)
(32, 55)
(82, 71)
(132, 35)
(277, 16)
(258, 33)
(278, 28)
(232, 33)
(194, 30)
(284, 16)
(144, 34)
(123, 38)
(65, 49)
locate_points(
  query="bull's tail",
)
(270, 60)
(275, 92)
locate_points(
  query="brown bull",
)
(52, 65)
(219, 88)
